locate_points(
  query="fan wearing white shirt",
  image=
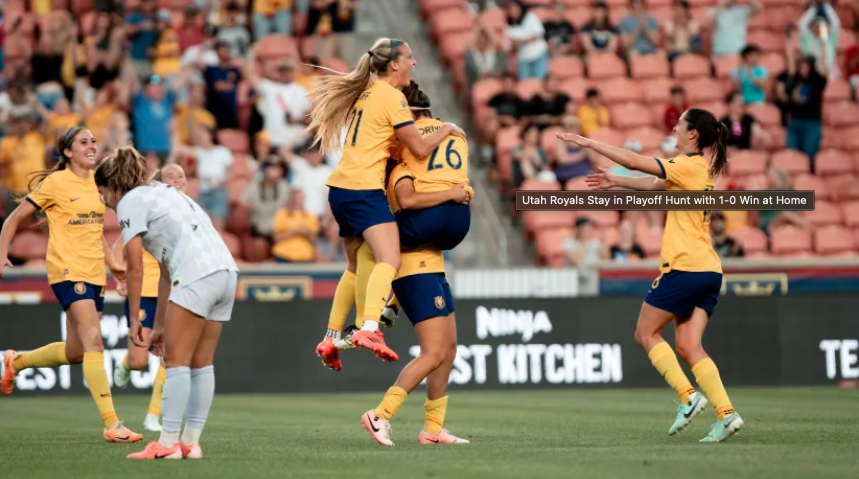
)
(310, 173)
(525, 32)
(283, 103)
(213, 165)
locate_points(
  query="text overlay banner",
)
(665, 200)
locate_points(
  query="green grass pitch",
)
(808, 433)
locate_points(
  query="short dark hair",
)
(748, 50)
(678, 90)
(592, 93)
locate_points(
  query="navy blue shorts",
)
(443, 226)
(680, 292)
(357, 210)
(68, 292)
(147, 312)
(424, 296)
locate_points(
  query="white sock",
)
(333, 334)
(199, 403)
(177, 388)
(371, 326)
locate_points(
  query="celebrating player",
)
(368, 100)
(77, 252)
(137, 358)
(195, 294)
(433, 219)
(688, 287)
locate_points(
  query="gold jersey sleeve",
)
(400, 171)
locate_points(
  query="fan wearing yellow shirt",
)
(295, 230)
(367, 99)
(77, 252)
(687, 290)
(137, 358)
(22, 152)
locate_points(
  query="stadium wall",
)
(513, 343)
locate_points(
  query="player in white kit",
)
(195, 294)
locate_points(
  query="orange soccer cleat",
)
(374, 341)
(191, 451)
(7, 382)
(119, 433)
(156, 450)
(329, 354)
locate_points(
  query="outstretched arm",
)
(621, 156)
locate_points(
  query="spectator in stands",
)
(593, 114)
(309, 172)
(730, 25)
(585, 247)
(805, 86)
(262, 148)
(191, 32)
(768, 221)
(203, 54)
(546, 108)
(166, 52)
(525, 34)
(330, 248)
(141, 31)
(103, 63)
(295, 231)
(751, 78)
(152, 110)
(213, 165)
(529, 158)
(57, 122)
(282, 102)
(598, 34)
(791, 50)
(744, 132)
(331, 22)
(47, 60)
(118, 133)
(507, 109)
(626, 250)
(17, 101)
(194, 113)
(570, 160)
(560, 33)
(820, 23)
(484, 57)
(724, 245)
(272, 16)
(233, 33)
(675, 108)
(265, 195)
(222, 85)
(639, 31)
(682, 32)
(851, 61)
(22, 151)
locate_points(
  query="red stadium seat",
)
(550, 243)
(766, 114)
(576, 88)
(243, 166)
(484, 90)
(233, 243)
(774, 63)
(752, 239)
(848, 138)
(235, 188)
(704, 89)
(808, 182)
(539, 185)
(754, 182)
(576, 184)
(657, 91)
(747, 162)
(792, 161)
(536, 221)
(549, 141)
(236, 141)
(29, 245)
(566, 67)
(649, 66)
(649, 239)
(778, 138)
(767, 41)
(832, 139)
(717, 108)
(789, 240)
(526, 89)
(691, 66)
(453, 46)
(609, 136)
(725, 65)
(620, 90)
(841, 114)
(495, 18)
(843, 187)
(833, 240)
(238, 221)
(649, 137)
(824, 213)
(276, 46)
(837, 90)
(851, 214)
(449, 21)
(630, 115)
(605, 65)
(833, 162)
(603, 219)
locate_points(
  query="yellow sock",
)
(344, 297)
(394, 398)
(378, 291)
(707, 377)
(434, 416)
(125, 363)
(49, 356)
(157, 389)
(99, 387)
(366, 263)
(665, 361)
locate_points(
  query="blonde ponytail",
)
(122, 171)
(334, 95)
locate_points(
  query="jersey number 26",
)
(449, 152)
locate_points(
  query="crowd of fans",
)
(533, 67)
(217, 86)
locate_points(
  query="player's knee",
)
(74, 357)
(174, 360)
(435, 357)
(97, 346)
(138, 362)
(688, 349)
(640, 338)
(451, 353)
(201, 361)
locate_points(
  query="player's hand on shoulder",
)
(457, 131)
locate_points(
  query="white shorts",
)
(211, 297)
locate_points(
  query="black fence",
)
(563, 343)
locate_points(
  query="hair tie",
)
(369, 53)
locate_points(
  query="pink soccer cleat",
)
(191, 451)
(329, 354)
(375, 342)
(378, 427)
(443, 437)
(7, 383)
(156, 450)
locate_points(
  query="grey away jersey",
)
(176, 231)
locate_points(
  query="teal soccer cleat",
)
(727, 427)
(685, 412)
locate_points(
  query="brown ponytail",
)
(712, 133)
(122, 171)
(418, 100)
